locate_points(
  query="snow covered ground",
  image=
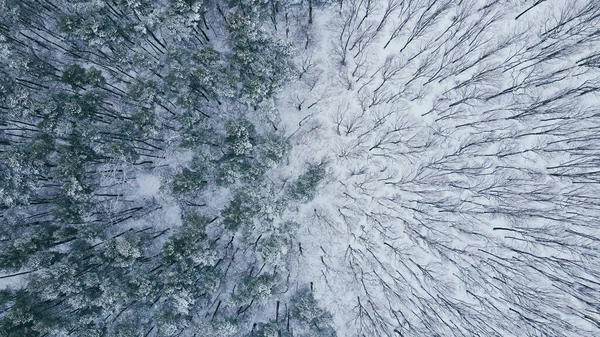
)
(462, 150)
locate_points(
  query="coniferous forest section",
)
(135, 139)
(299, 168)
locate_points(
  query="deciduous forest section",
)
(311, 168)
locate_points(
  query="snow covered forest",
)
(299, 168)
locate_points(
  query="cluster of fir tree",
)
(95, 93)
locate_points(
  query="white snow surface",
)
(461, 198)
(148, 185)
